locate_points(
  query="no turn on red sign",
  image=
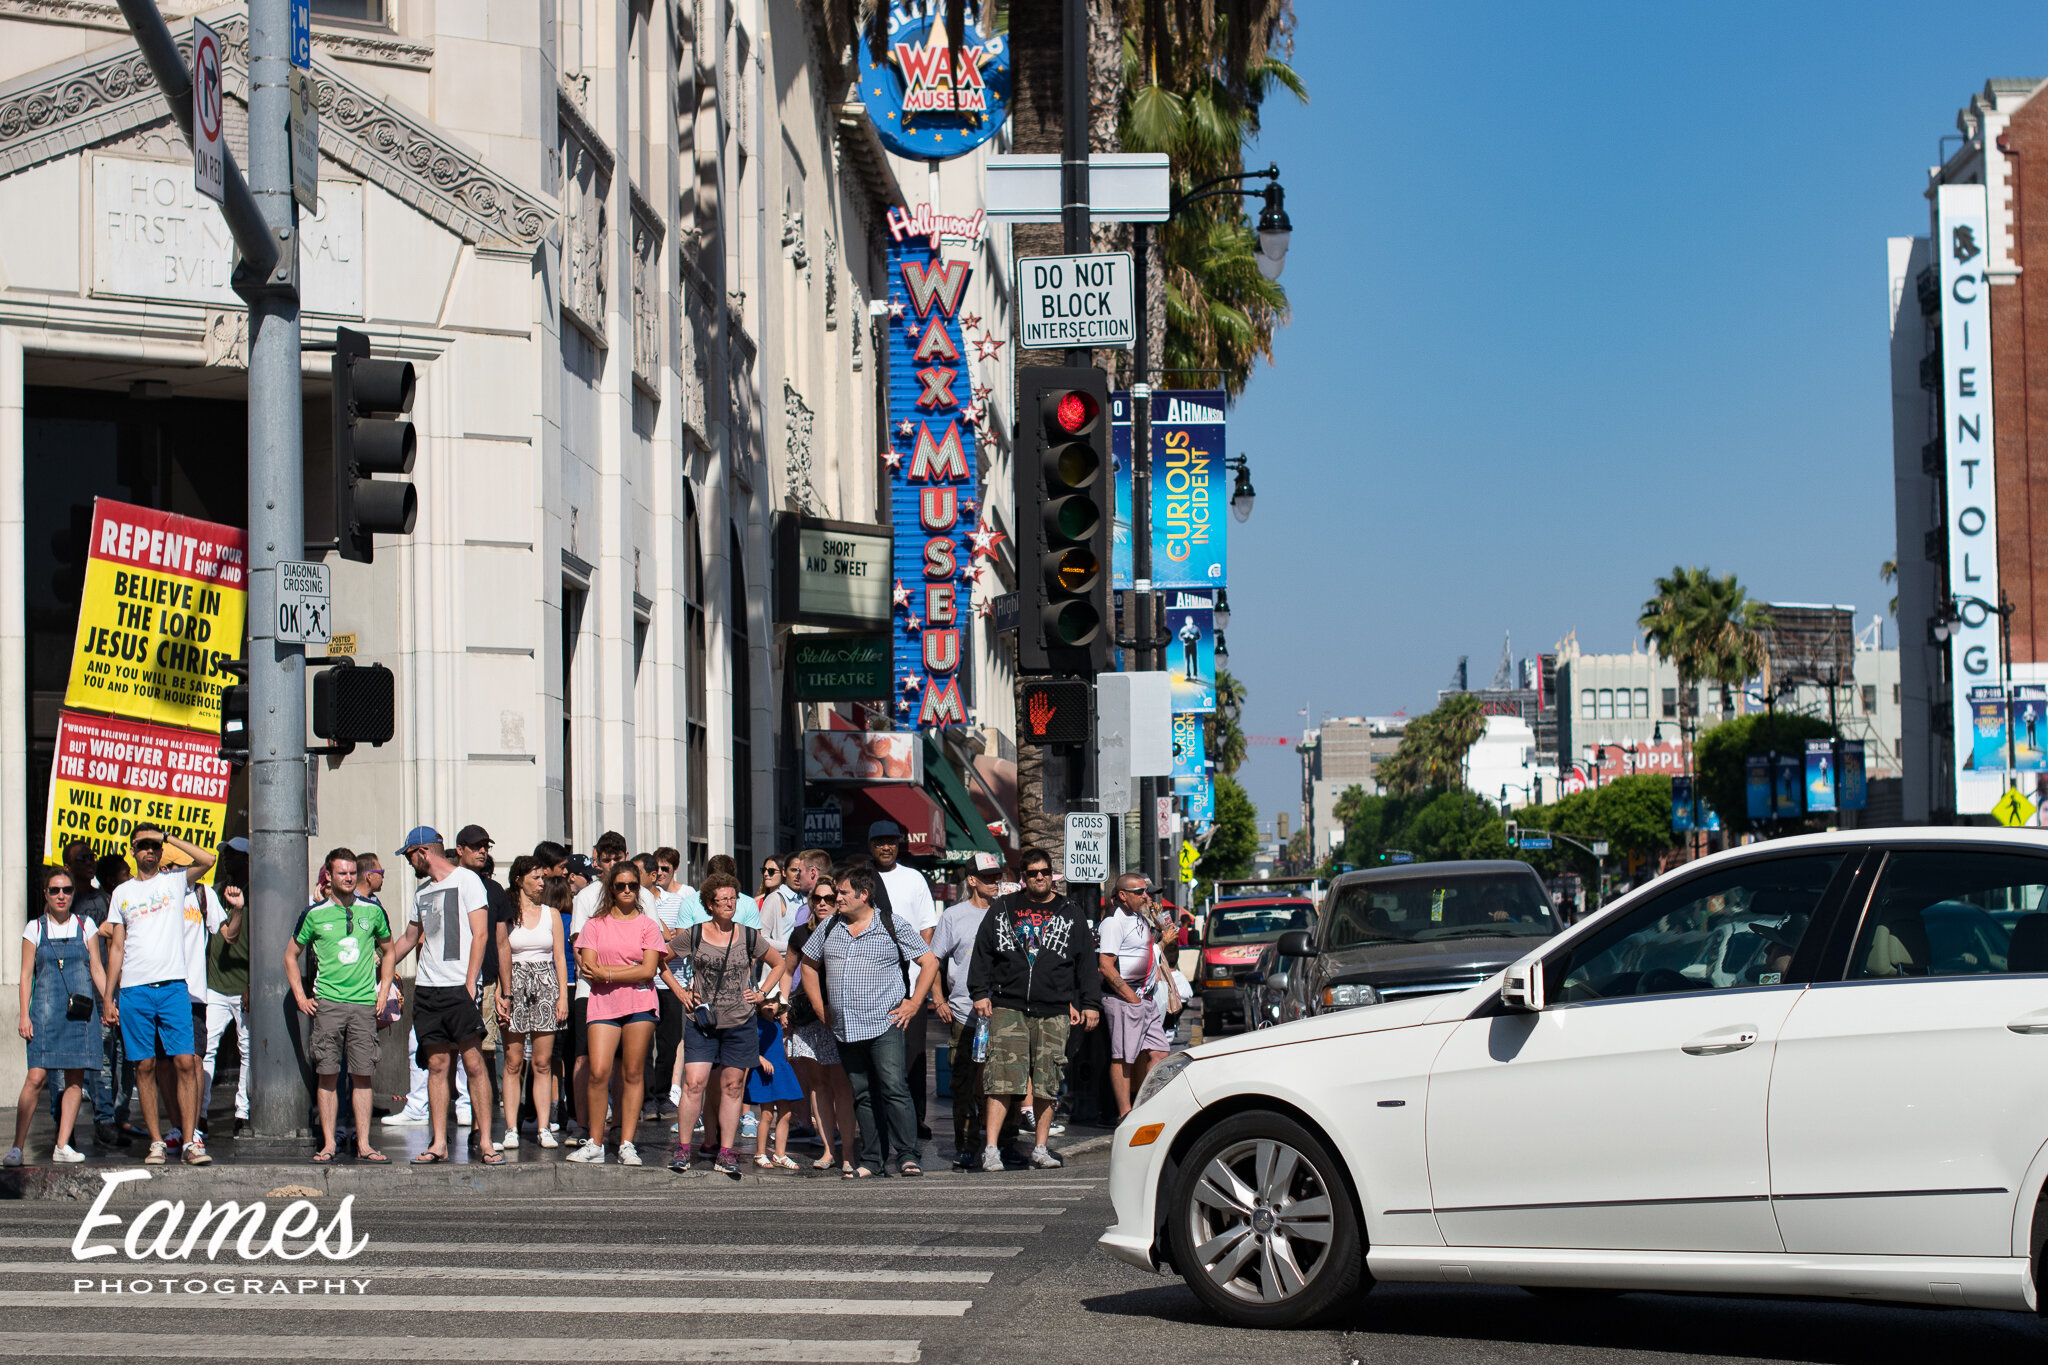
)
(209, 166)
(1076, 302)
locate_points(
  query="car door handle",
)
(2036, 1022)
(1721, 1041)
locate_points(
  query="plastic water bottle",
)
(980, 1052)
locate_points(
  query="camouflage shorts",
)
(1021, 1048)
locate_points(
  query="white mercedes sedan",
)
(1817, 1066)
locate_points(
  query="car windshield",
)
(1254, 923)
(1427, 909)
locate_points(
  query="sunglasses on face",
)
(1038, 872)
(58, 890)
(625, 886)
(149, 846)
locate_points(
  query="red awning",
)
(922, 818)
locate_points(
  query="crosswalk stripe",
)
(781, 1275)
(642, 1249)
(494, 1303)
(68, 1344)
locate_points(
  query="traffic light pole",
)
(1143, 628)
(277, 530)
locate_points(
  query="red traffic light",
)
(1074, 413)
(1053, 710)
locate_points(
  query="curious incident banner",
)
(162, 610)
(111, 775)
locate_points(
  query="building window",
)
(1895, 694)
(1642, 703)
(1670, 703)
(1607, 703)
(742, 713)
(1589, 707)
(1869, 698)
(574, 598)
(353, 11)
(696, 737)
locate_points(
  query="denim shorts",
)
(159, 1014)
(636, 1017)
(738, 1047)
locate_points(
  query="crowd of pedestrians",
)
(594, 998)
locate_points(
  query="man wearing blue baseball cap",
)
(449, 924)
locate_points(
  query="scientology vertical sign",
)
(1970, 474)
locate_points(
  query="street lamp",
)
(1220, 614)
(1274, 231)
(1241, 492)
(1222, 652)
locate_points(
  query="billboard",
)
(1970, 477)
(1986, 752)
(1190, 489)
(1851, 789)
(1785, 805)
(1681, 805)
(1756, 775)
(1820, 775)
(161, 610)
(2029, 730)
(932, 454)
(1189, 621)
(1190, 745)
(1200, 795)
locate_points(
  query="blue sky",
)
(1581, 291)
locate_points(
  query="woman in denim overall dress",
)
(58, 962)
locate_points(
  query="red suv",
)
(1238, 929)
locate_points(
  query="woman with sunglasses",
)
(619, 952)
(771, 877)
(720, 1034)
(59, 964)
(814, 1052)
(534, 998)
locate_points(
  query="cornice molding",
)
(106, 94)
(382, 49)
(585, 132)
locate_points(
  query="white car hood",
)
(1348, 1023)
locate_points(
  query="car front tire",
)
(1262, 1225)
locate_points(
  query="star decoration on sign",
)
(988, 347)
(985, 539)
(912, 683)
(970, 320)
(914, 624)
(967, 506)
(903, 705)
(900, 597)
(984, 610)
(895, 307)
(893, 459)
(983, 392)
(906, 428)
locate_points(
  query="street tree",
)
(1710, 628)
(1226, 737)
(1234, 841)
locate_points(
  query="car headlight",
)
(1159, 1076)
(1346, 997)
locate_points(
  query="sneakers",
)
(66, 1155)
(679, 1157)
(156, 1155)
(748, 1126)
(589, 1154)
(1044, 1160)
(1027, 1117)
(510, 1140)
(1055, 1128)
(991, 1160)
(629, 1155)
(726, 1163)
(547, 1139)
(405, 1118)
(464, 1117)
(195, 1153)
(13, 1157)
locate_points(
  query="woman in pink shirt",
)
(619, 952)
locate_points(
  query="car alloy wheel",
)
(1262, 1223)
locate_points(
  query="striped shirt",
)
(862, 981)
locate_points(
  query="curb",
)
(257, 1181)
(1085, 1145)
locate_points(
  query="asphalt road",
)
(649, 1267)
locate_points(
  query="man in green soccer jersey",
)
(353, 952)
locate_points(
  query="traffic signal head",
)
(1063, 511)
(355, 704)
(370, 437)
(234, 723)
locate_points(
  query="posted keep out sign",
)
(111, 775)
(162, 610)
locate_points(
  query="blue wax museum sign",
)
(923, 102)
(940, 539)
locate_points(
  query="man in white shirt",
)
(147, 967)
(907, 896)
(450, 926)
(1131, 961)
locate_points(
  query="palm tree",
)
(1709, 627)
(1226, 738)
(1888, 572)
(1194, 79)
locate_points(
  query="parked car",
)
(1392, 933)
(1808, 1067)
(1236, 932)
(1267, 997)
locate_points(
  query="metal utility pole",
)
(263, 219)
(1143, 627)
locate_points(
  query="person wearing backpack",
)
(857, 961)
(719, 1000)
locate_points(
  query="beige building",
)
(634, 251)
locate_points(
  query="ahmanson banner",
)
(162, 609)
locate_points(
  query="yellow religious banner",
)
(111, 775)
(161, 612)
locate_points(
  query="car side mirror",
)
(1522, 989)
(1297, 943)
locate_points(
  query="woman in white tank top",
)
(531, 957)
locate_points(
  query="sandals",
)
(428, 1159)
(910, 1169)
(323, 1158)
(373, 1157)
(761, 1160)
(823, 1163)
(849, 1172)
(784, 1163)
(493, 1159)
